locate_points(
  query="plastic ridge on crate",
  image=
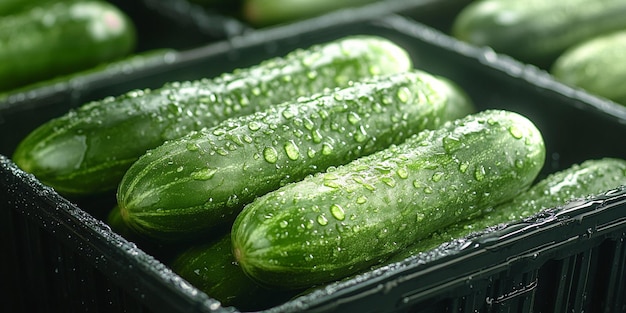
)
(62, 257)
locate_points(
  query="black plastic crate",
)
(61, 257)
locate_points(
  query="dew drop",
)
(288, 114)
(479, 173)
(519, 163)
(360, 135)
(270, 155)
(404, 94)
(463, 167)
(516, 132)
(451, 144)
(361, 199)
(389, 181)
(402, 173)
(254, 126)
(316, 136)
(337, 212)
(322, 220)
(428, 190)
(308, 123)
(180, 169)
(283, 224)
(353, 118)
(292, 150)
(327, 149)
(437, 176)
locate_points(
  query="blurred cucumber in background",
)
(39, 42)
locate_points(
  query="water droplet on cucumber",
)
(270, 155)
(292, 150)
(337, 212)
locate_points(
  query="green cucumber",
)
(589, 178)
(8, 7)
(88, 150)
(537, 31)
(333, 224)
(196, 183)
(597, 65)
(102, 72)
(269, 12)
(59, 38)
(212, 268)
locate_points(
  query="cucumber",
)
(59, 38)
(88, 150)
(537, 31)
(99, 73)
(588, 178)
(333, 224)
(8, 7)
(212, 268)
(269, 12)
(192, 185)
(596, 65)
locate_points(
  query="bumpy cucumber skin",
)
(596, 65)
(213, 269)
(537, 31)
(333, 224)
(198, 182)
(89, 149)
(61, 37)
(588, 178)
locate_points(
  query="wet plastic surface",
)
(572, 258)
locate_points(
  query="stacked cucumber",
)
(43, 39)
(303, 169)
(580, 42)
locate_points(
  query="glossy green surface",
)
(339, 222)
(202, 180)
(89, 149)
(597, 65)
(589, 178)
(537, 31)
(63, 37)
